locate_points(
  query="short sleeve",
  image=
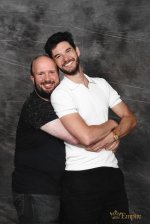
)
(112, 96)
(63, 102)
(40, 113)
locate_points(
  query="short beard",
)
(42, 93)
(72, 72)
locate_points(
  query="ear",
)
(32, 78)
(78, 51)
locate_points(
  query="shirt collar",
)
(90, 79)
(72, 85)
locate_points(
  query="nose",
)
(47, 76)
(65, 58)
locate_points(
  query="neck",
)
(79, 78)
(45, 99)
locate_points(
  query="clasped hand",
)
(107, 143)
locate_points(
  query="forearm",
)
(56, 129)
(86, 134)
(98, 132)
(128, 120)
(125, 126)
(109, 142)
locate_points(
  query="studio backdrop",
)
(114, 40)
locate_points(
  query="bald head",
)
(41, 60)
(44, 75)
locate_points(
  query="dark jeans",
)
(95, 196)
(37, 208)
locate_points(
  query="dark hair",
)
(55, 39)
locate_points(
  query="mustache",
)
(49, 82)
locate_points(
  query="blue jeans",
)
(37, 208)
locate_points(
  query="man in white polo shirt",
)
(93, 185)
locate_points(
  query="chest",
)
(91, 103)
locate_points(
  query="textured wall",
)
(113, 36)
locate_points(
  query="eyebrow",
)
(69, 48)
(56, 55)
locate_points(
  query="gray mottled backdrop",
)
(113, 36)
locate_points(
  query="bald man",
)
(39, 155)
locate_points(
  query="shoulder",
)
(104, 86)
(61, 90)
(31, 100)
(101, 82)
(35, 105)
(27, 103)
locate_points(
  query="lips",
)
(48, 85)
(68, 64)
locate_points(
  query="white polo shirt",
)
(92, 104)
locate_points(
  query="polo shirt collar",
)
(72, 85)
(90, 79)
